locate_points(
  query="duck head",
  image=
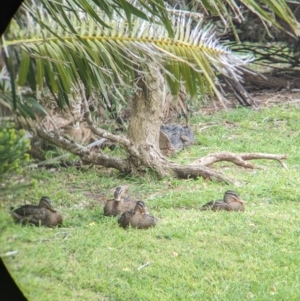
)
(120, 192)
(231, 196)
(45, 202)
(140, 207)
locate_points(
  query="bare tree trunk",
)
(145, 122)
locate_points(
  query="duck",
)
(137, 218)
(119, 204)
(231, 202)
(42, 214)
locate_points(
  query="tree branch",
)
(85, 154)
(194, 171)
(239, 159)
(102, 133)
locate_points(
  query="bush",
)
(13, 150)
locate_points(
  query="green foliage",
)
(13, 150)
(103, 43)
(107, 58)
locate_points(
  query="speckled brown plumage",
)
(137, 218)
(119, 203)
(42, 214)
(230, 202)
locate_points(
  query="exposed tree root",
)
(239, 159)
(140, 162)
(199, 168)
(195, 171)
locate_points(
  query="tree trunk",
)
(145, 122)
(142, 143)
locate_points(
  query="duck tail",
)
(208, 206)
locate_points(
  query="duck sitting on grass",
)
(119, 203)
(137, 218)
(231, 202)
(42, 214)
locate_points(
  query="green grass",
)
(190, 254)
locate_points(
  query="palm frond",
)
(25, 104)
(277, 7)
(267, 10)
(108, 56)
(145, 9)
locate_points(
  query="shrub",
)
(13, 150)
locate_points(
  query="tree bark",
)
(145, 122)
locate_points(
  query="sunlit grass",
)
(190, 254)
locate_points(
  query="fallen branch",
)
(239, 159)
(86, 155)
(195, 171)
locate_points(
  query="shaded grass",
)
(190, 255)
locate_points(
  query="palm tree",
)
(74, 49)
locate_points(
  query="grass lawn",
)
(190, 254)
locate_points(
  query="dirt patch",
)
(265, 98)
(100, 197)
(96, 196)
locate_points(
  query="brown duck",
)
(119, 203)
(230, 202)
(137, 218)
(42, 214)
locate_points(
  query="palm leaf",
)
(148, 10)
(106, 56)
(26, 104)
(266, 10)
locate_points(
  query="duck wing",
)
(125, 218)
(30, 214)
(25, 210)
(215, 205)
(21, 218)
(144, 221)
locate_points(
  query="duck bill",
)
(51, 208)
(241, 201)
